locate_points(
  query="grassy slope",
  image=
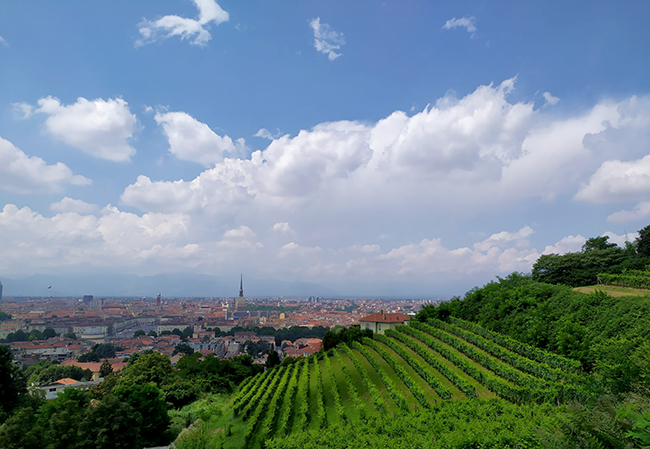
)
(614, 291)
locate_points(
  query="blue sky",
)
(365, 145)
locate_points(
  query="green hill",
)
(416, 368)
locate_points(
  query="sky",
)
(407, 146)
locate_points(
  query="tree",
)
(105, 369)
(273, 359)
(60, 418)
(184, 348)
(187, 332)
(148, 367)
(643, 242)
(148, 401)
(71, 335)
(48, 332)
(152, 333)
(111, 424)
(4, 316)
(13, 383)
(595, 243)
(21, 431)
(138, 333)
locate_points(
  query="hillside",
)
(416, 368)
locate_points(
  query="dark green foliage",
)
(273, 359)
(148, 401)
(4, 316)
(13, 383)
(21, 431)
(71, 335)
(60, 418)
(597, 243)
(256, 348)
(578, 269)
(105, 369)
(642, 242)
(333, 338)
(48, 332)
(111, 424)
(100, 351)
(138, 333)
(183, 348)
(148, 367)
(152, 333)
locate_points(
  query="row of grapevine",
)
(631, 278)
(496, 366)
(354, 394)
(335, 391)
(287, 404)
(422, 369)
(259, 406)
(527, 365)
(271, 410)
(416, 391)
(374, 393)
(526, 350)
(320, 405)
(302, 415)
(246, 392)
(256, 391)
(397, 396)
(490, 381)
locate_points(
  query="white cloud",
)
(22, 110)
(550, 99)
(283, 227)
(100, 128)
(640, 212)
(20, 173)
(3, 42)
(326, 40)
(618, 181)
(173, 25)
(266, 134)
(463, 22)
(242, 232)
(191, 140)
(569, 244)
(72, 205)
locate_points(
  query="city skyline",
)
(365, 149)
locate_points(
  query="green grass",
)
(614, 291)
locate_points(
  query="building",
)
(379, 322)
(240, 302)
(55, 388)
(0, 291)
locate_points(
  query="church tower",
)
(240, 303)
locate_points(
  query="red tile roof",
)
(386, 318)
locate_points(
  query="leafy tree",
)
(148, 401)
(4, 316)
(138, 333)
(21, 431)
(166, 333)
(13, 384)
(111, 424)
(91, 356)
(105, 369)
(332, 339)
(184, 348)
(60, 418)
(187, 332)
(45, 372)
(256, 348)
(177, 331)
(148, 367)
(597, 243)
(152, 333)
(71, 335)
(273, 359)
(643, 242)
(48, 332)
(106, 350)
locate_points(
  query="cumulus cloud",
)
(20, 173)
(100, 128)
(366, 248)
(618, 181)
(22, 110)
(569, 244)
(173, 25)
(550, 99)
(242, 232)
(326, 40)
(72, 205)
(191, 140)
(640, 212)
(463, 22)
(283, 227)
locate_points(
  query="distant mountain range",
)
(169, 285)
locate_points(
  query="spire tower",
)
(241, 286)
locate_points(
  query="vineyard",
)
(415, 367)
(631, 278)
